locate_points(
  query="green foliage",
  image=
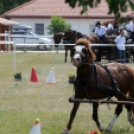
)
(6, 5)
(58, 24)
(115, 6)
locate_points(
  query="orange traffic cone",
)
(34, 77)
(36, 127)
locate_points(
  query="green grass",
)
(22, 102)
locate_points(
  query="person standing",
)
(131, 29)
(120, 44)
(101, 32)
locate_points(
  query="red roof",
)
(47, 8)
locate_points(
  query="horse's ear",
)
(72, 52)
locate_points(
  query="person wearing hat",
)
(101, 32)
(120, 41)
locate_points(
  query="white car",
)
(28, 37)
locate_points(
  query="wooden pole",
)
(71, 100)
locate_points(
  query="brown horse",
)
(57, 38)
(98, 82)
(69, 37)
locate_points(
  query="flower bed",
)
(71, 78)
(17, 76)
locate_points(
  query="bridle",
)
(82, 55)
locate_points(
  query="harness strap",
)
(115, 84)
(111, 91)
(96, 74)
(79, 81)
(103, 88)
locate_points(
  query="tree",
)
(115, 6)
(6, 5)
(57, 24)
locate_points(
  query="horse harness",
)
(110, 90)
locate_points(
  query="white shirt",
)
(100, 31)
(110, 26)
(120, 42)
(131, 27)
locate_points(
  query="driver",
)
(101, 32)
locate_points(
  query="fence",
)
(8, 38)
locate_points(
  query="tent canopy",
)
(7, 22)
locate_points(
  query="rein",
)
(110, 90)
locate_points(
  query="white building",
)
(37, 14)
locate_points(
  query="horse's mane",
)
(85, 42)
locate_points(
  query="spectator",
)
(111, 25)
(101, 32)
(131, 29)
(120, 44)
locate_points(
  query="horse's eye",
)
(72, 52)
(85, 51)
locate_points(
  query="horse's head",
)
(82, 52)
(57, 38)
(69, 37)
(79, 35)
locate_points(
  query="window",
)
(21, 33)
(29, 35)
(39, 29)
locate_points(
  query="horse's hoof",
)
(101, 128)
(65, 131)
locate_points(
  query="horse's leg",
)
(95, 116)
(130, 114)
(66, 53)
(118, 111)
(57, 49)
(72, 116)
(70, 56)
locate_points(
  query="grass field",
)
(22, 102)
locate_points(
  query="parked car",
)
(23, 35)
